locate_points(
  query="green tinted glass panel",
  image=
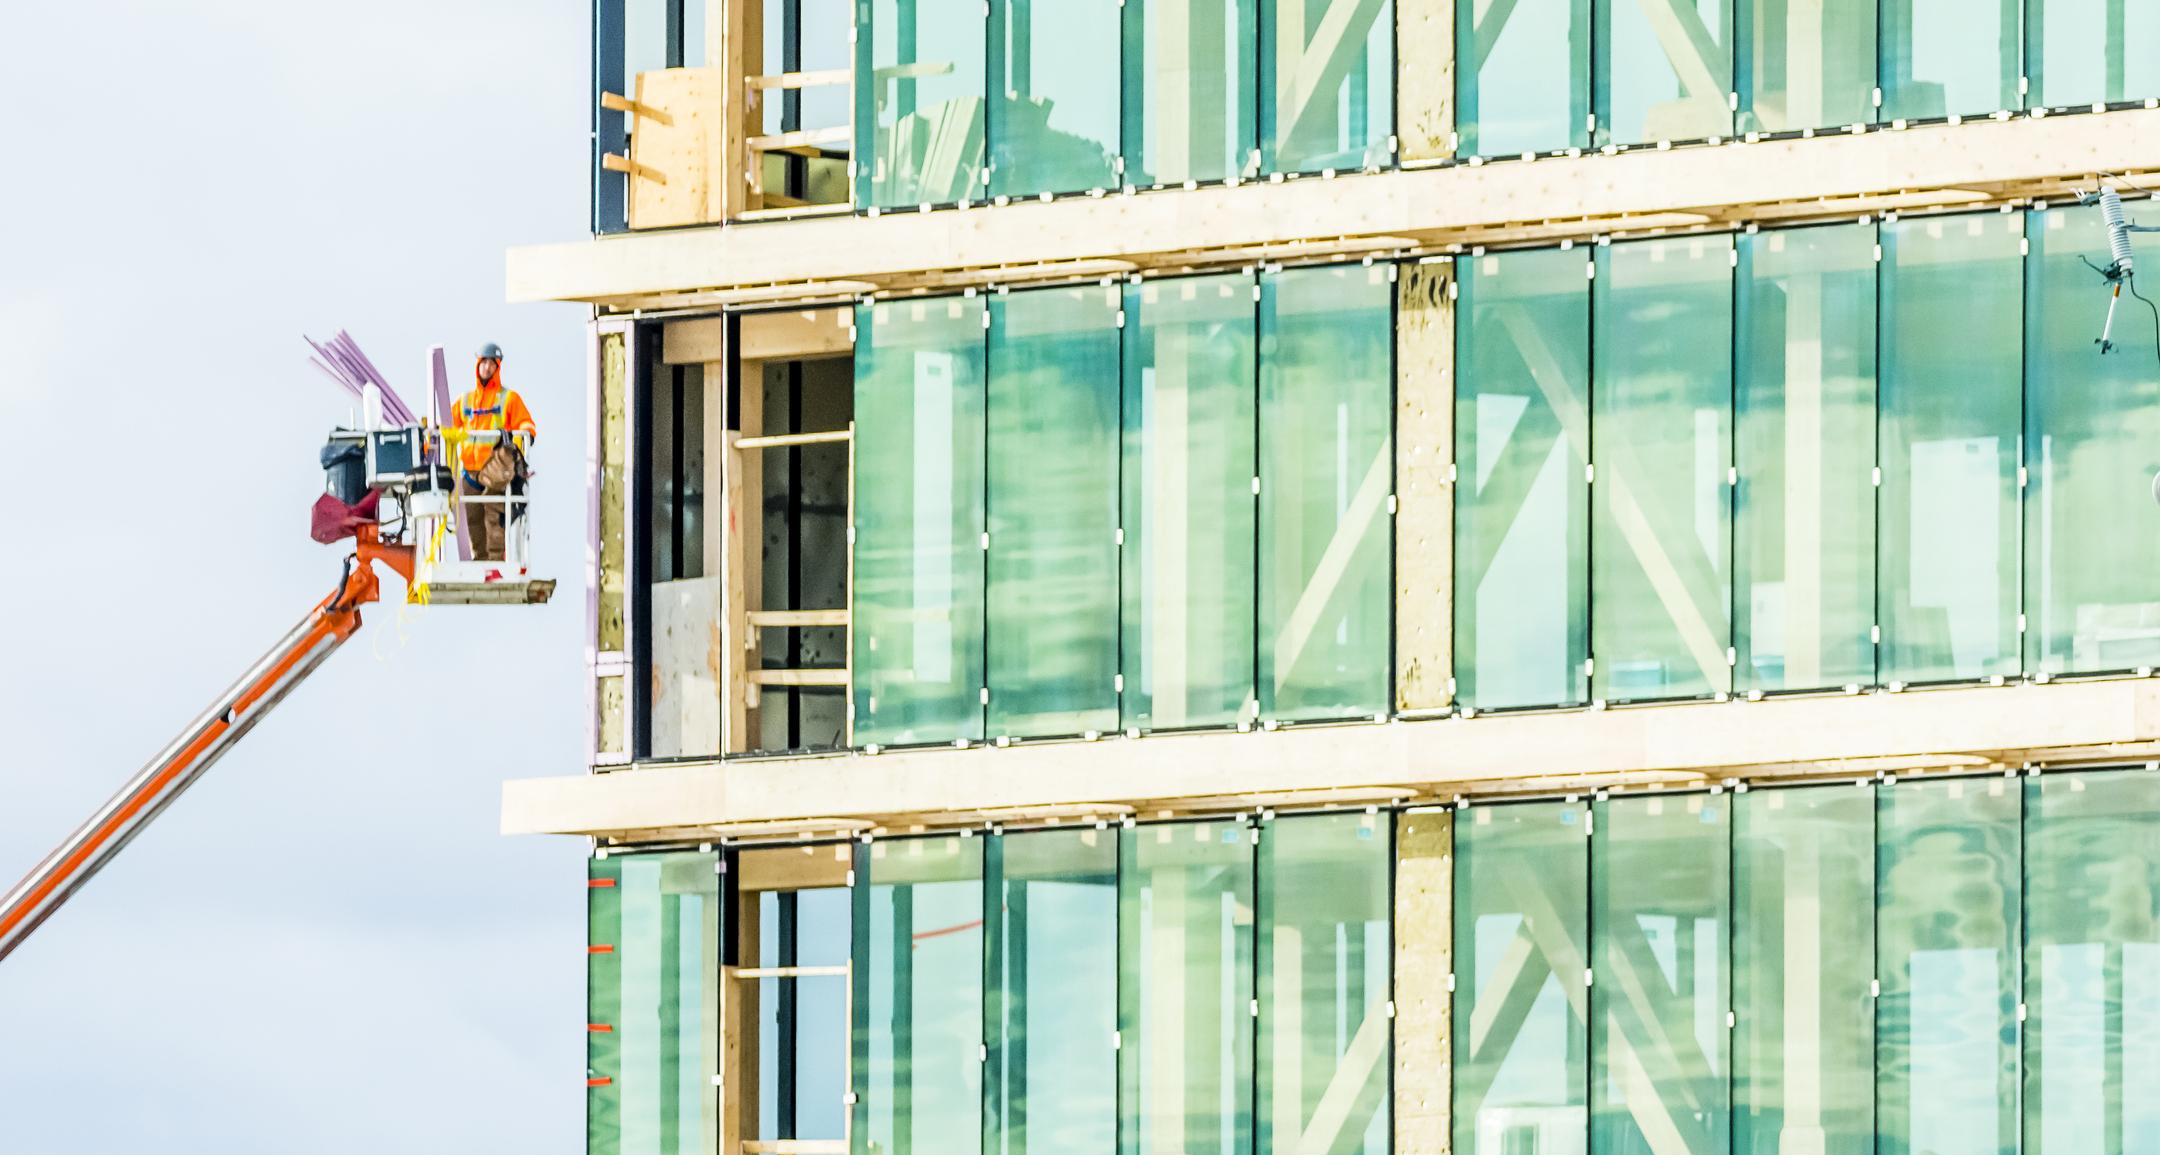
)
(1054, 93)
(922, 108)
(1522, 507)
(2092, 440)
(1185, 986)
(1522, 76)
(918, 973)
(1327, 84)
(1660, 897)
(799, 1022)
(1948, 58)
(1191, 90)
(603, 1006)
(2081, 52)
(665, 1007)
(1803, 942)
(1324, 963)
(1663, 71)
(918, 589)
(1052, 1014)
(1661, 437)
(1189, 463)
(1946, 930)
(1327, 467)
(2092, 962)
(1951, 401)
(1522, 958)
(1805, 65)
(1053, 464)
(1804, 520)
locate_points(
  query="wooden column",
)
(1425, 518)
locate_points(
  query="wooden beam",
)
(1425, 95)
(819, 79)
(1825, 177)
(1424, 957)
(788, 440)
(798, 677)
(797, 334)
(1425, 515)
(1832, 736)
(797, 619)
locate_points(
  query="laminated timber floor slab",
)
(1942, 166)
(1960, 730)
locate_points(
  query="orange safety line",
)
(602, 1081)
(599, 883)
(599, 1028)
(603, 949)
(945, 930)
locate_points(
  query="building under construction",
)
(1236, 577)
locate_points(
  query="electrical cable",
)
(2131, 283)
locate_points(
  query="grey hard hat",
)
(490, 352)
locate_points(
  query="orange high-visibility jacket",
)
(489, 407)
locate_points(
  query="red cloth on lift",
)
(332, 520)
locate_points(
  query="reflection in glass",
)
(798, 1022)
(1324, 961)
(1660, 897)
(1052, 515)
(1804, 528)
(1803, 942)
(918, 967)
(918, 582)
(1054, 110)
(1522, 76)
(1185, 986)
(1327, 467)
(1327, 84)
(1522, 904)
(658, 991)
(1805, 63)
(1948, 58)
(1951, 385)
(1522, 508)
(1188, 507)
(2092, 444)
(2081, 52)
(2092, 962)
(1946, 952)
(922, 105)
(1662, 70)
(1661, 426)
(1051, 1066)
(1191, 90)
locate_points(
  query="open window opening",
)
(785, 1082)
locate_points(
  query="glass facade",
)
(1327, 469)
(1661, 437)
(1052, 512)
(652, 1004)
(918, 997)
(1327, 84)
(1522, 506)
(1192, 83)
(1522, 76)
(1662, 71)
(918, 583)
(1804, 65)
(2082, 52)
(919, 119)
(1187, 505)
(1804, 549)
(1054, 117)
(1948, 58)
(1051, 1023)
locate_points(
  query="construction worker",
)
(492, 467)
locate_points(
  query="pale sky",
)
(325, 946)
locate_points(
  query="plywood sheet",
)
(686, 668)
(1425, 519)
(674, 137)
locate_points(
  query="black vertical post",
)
(796, 183)
(610, 130)
(795, 540)
(674, 36)
(902, 954)
(785, 1045)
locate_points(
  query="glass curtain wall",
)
(797, 1022)
(1660, 892)
(1661, 428)
(1324, 959)
(1952, 386)
(1946, 932)
(1192, 83)
(1327, 84)
(1051, 1016)
(1522, 76)
(1522, 506)
(1804, 523)
(1327, 468)
(1054, 116)
(1052, 631)
(1805, 63)
(2092, 591)
(1803, 1049)
(919, 68)
(918, 1002)
(1522, 965)
(1187, 517)
(655, 991)
(1948, 58)
(918, 589)
(1662, 70)
(2082, 52)
(1185, 987)
(2092, 962)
